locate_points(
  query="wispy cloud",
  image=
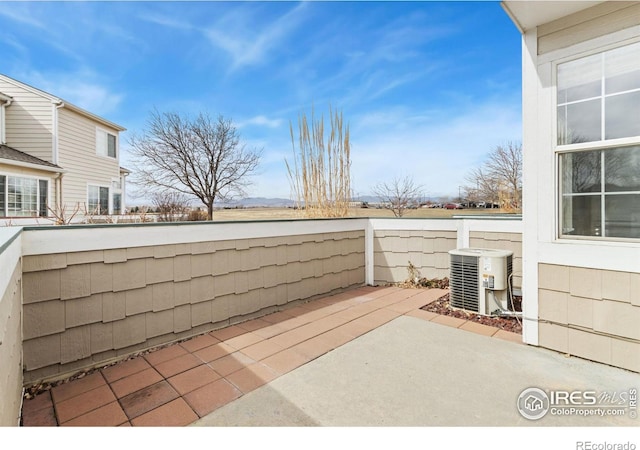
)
(73, 30)
(166, 21)
(262, 121)
(425, 94)
(21, 13)
(250, 43)
(436, 148)
(11, 41)
(374, 61)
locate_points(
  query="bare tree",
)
(62, 216)
(171, 205)
(320, 173)
(399, 195)
(499, 180)
(198, 157)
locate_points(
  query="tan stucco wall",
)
(85, 308)
(11, 349)
(426, 250)
(590, 313)
(501, 241)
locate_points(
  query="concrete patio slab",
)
(412, 372)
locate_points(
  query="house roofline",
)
(63, 103)
(527, 14)
(84, 112)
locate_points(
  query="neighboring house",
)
(56, 158)
(581, 144)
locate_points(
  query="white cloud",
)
(249, 43)
(262, 121)
(166, 21)
(437, 151)
(80, 88)
(22, 13)
(92, 97)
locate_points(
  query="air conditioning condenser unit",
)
(480, 279)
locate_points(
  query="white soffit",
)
(529, 14)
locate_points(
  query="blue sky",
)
(428, 88)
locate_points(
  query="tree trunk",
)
(210, 211)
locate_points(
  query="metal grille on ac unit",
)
(479, 279)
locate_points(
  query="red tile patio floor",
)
(180, 383)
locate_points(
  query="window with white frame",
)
(116, 196)
(598, 144)
(105, 143)
(23, 196)
(117, 203)
(98, 200)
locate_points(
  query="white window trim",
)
(597, 47)
(2, 124)
(113, 191)
(109, 200)
(31, 177)
(106, 155)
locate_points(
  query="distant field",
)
(287, 213)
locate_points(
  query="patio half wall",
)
(77, 297)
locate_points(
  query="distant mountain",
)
(264, 202)
(259, 202)
(366, 198)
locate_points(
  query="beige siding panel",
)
(28, 120)
(582, 16)
(77, 155)
(590, 346)
(153, 299)
(618, 319)
(625, 354)
(589, 313)
(588, 24)
(426, 250)
(554, 277)
(553, 306)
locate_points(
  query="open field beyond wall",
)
(289, 213)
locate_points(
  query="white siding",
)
(29, 123)
(77, 155)
(571, 274)
(10, 326)
(588, 24)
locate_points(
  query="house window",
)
(23, 197)
(43, 192)
(98, 200)
(598, 137)
(105, 143)
(117, 203)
